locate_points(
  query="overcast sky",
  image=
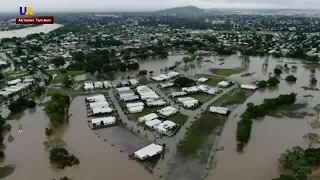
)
(150, 5)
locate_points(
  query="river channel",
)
(31, 30)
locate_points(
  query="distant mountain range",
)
(185, 10)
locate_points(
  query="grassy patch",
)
(202, 97)
(145, 111)
(52, 91)
(226, 72)
(198, 133)
(213, 79)
(59, 76)
(289, 111)
(235, 96)
(179, 119)
(10, 73)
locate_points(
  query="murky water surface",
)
(98, 159)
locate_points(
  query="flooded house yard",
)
(206, 142)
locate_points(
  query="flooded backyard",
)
(97, 158)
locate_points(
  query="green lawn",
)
(52, 91)
(179, 119)
(226, 72)
(213, 79)
(235, 96)
(198, 132)
(60, 76)
(202, 97)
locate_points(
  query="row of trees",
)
(56, 108)
(299, 162)
(272, 81)
(20, 104)
(254, 111)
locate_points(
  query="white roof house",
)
(14, 82)
(153, 123)
(168, 111)
(148, 117)
(166, 85)
(130, 105)
(134, 82)
(102, 104)
(148, 151)
(123, 89)
(88, 86)
(190, 103)
(249, 87)
(126, 95)
(99, 110)
(219, 110)
(130, 98)
(107, 84)
(180, 100)
(159, 102)
(103, 121)
(136, 109)
(165, 126)
(98, 85)
(96, 98)
(223, 83)
(202, 79)
(176, 94)
(172, 74)
(150, 96)
(192, 89)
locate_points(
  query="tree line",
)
(254, 111)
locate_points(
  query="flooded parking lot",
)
(122, 138)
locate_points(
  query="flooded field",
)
(97, 158)
(270, 136)
(204, 66)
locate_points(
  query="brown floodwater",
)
(98, 159)
(270, 136)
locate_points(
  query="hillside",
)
(182, 10)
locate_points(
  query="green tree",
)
(291, 78)
(54, 144)
(285, 177)
(67, 83)
(273, 81)
(262, 84)
(312, 138)
(301, 173)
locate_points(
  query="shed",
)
(148, 151)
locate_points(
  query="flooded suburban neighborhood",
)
(120, 97)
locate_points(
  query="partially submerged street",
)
(160, 111)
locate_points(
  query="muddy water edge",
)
(270, 136)
(97, 158)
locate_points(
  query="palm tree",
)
(54, 144)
